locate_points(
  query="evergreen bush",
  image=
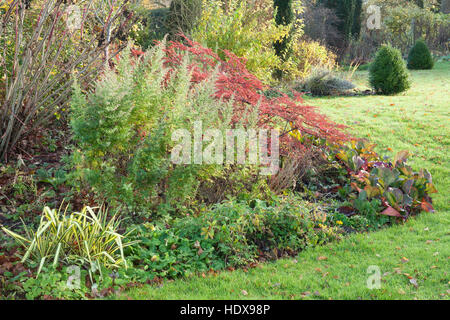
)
(419, 57)
(388, 73)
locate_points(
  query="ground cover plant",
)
(133, 219)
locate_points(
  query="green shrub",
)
(123, 131)
(284, 16)
(388, 73)
(419, 57)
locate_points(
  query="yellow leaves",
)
(5, 6)
(244, 30)
(150, 226)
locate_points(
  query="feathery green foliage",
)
(124, 131)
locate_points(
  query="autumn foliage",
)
(234, 81)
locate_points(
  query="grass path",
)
(418, 121)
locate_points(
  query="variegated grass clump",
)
(84, 238)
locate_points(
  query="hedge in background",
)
(388, 73)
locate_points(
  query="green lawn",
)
(417, 121)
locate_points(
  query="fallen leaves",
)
(389, 211)
(404, 260)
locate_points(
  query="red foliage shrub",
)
(234, 81)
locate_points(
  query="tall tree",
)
(284, 16)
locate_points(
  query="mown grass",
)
(418, 121)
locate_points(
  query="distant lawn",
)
(418, 121)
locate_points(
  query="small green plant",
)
(52, 284)
(388, 73)
(83, 238)
(419, 57)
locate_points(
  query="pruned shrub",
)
(388, 73)
(419, 57)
